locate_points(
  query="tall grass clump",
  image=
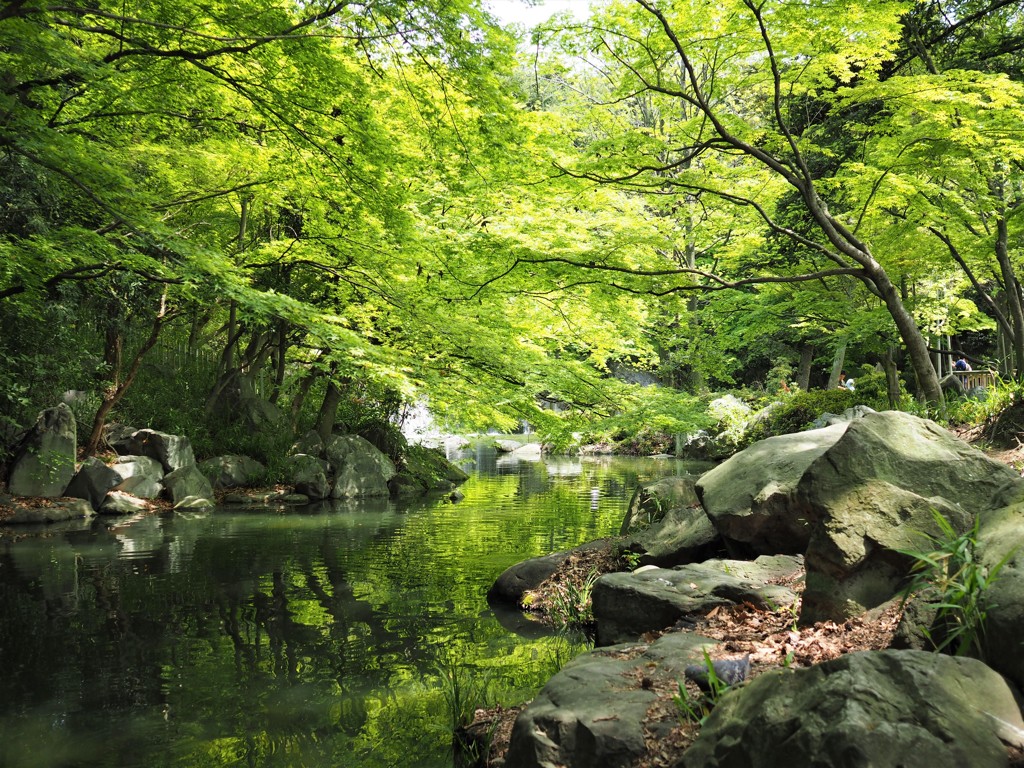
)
(570, 604)
(951, 578)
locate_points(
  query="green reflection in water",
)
(315, 638)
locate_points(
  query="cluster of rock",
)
(349, 466)
(155, 465)
(149, 465)
(844, 503)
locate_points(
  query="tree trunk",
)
(803, 376)
(913, 339)
(838, 360)
(112, 395)
(1013, 298)
(892, 377)
(280, 360)
(300, 398)
(328, 411)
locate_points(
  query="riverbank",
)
(770, 639)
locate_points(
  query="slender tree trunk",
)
(892, 378)
(838, 361)
(698, 383)
(803, 376)
(1013, 296)
(328, 410)
(913, 340)
(300, 398)
(113, 394)
(280, 360)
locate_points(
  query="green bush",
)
(646, 442)
(872, 389)
(796, 413)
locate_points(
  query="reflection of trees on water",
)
(269, 638)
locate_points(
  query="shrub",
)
(797, 413)
(646, 442)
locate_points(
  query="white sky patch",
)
(518, 12)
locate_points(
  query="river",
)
(287, 638)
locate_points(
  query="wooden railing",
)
(972, 379)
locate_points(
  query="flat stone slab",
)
(15, 512)
(592, 712)
(263, 498)
(626, 605)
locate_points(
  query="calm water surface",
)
(313, 637)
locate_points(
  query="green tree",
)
(756, 86)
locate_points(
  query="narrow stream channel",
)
(293, 638)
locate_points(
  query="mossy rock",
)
(405, 484)
(432, 469)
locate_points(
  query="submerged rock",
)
(524, 576)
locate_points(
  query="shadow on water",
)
(309, 636)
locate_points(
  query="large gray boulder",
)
(430, 469)
(44, 463)
(92, 482)
(653, 500)
(309, 475)
(1001, 541)
(828, 419)
(681, 536)
(884, 709)
(186, 482)
(358, 480)
(666, 526)
(874, 493)
(626, 605)
(141, 476)
(753, 500)
(360, 468)
(118, 437)
(232, 471)
(172, 451)
(310, 444)
(593, 712)
(851, 496)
